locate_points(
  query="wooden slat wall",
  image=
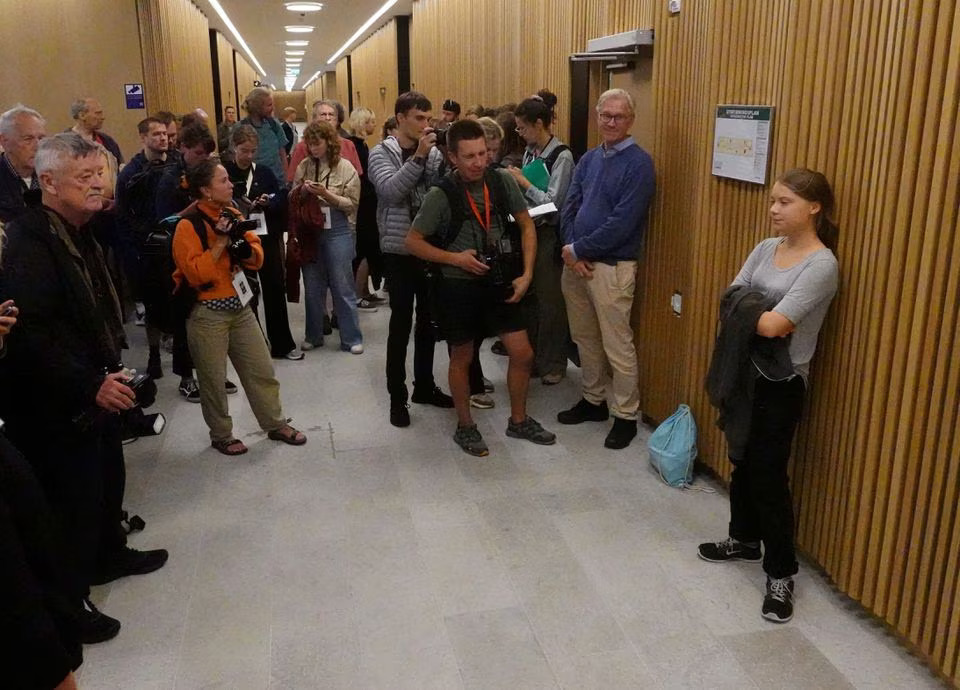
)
(246, 75)
(178, 72)
(374, 64)
(226, 75)
(868, 92)
(314, 92)
(341, 92)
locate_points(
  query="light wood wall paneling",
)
(246, 76)
(178, 72)
(289, 99)
(374, 64)
(340, 84)
(313, 93)
(227, 76)
(55, 52)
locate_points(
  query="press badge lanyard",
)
(476, 211)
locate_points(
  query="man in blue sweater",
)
(603, 221)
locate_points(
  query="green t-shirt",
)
(434, 217)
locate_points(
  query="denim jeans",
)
(333, 268)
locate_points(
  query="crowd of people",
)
(476, 223)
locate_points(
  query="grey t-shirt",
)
(803, 294)
(434, 216)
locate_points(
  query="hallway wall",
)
(867, 93)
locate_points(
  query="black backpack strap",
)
(198, 227)
(498, 197)
(458, 211)
(550, 160)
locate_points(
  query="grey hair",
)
(358, 118)
(253, 100)
(491, 130)
(618, 94)
(327, 101)
(8, 121)
(78, 107)
(53, 150)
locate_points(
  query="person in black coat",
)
(256, 190)
(64, 383)
(21, 130)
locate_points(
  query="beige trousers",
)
(599, 314)
(212, 337)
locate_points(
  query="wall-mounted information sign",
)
(133, 93)
(741, 142)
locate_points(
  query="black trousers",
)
(274, 295)
(408, 291)
(761, 508)
(83, 477)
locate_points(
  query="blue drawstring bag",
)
(673, 448)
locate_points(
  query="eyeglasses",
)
(615, 119)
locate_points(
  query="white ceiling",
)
(261, 24)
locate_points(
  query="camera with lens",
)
(505, 263)
(238, 248)
(441, 136)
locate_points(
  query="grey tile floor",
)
(376, 557)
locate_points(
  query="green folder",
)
(536, 172)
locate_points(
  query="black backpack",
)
(157, 264)
(550, 160)
(459, 212)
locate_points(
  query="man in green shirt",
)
(481, 281)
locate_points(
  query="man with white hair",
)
(89, 117)
(21, 130)
(603, 222)
(64, 383)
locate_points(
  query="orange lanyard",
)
(476, 211)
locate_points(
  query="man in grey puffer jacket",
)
(402, 168)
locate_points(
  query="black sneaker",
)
(622, 432)
(778, 601)
(399, 414)
(531, 430)
(434, 396)
(190, 390)
(129, 561)
(469, 438)
(95, 626)
(230, 387)
(729, 550)
(584, 411)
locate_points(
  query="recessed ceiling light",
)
(304, 6)
(297, 44)
(299, 28)
(294, 52)
(366, 25)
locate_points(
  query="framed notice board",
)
(741, 142)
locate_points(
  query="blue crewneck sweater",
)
(605, 215)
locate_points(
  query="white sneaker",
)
(356, 349)
(482, 401)
(306, 345)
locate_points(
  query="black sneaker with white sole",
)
(730, 549)
(778, 601)
(190, 390)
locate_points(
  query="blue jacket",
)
(605, 214)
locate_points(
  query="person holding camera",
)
(485, 268)
(323, 214)
(63, 385)
(258, 192)
(211, 247)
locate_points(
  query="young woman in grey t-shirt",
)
(798, 270)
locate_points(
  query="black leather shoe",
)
(95, 626)
(399, 415)
(431, 396)
(129, 561)
(621, 434)
(584, 411)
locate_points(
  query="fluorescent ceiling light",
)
(297, 44)
(293, 59)
(236, 34)
(294, 52)
(366, 25)
(301, 28)
(313, 78)
(304, 6)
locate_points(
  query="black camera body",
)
(238, 248)
(505, 265)
(441, 136)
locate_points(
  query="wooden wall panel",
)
(246, 75)
(178, 72)
(313, 93)
(337, 86)
(227, 76)
(290, 99)
(44, 71)
(374, 64)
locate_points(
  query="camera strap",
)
(476, 211)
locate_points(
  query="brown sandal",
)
(288, 435)
(230, 446)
